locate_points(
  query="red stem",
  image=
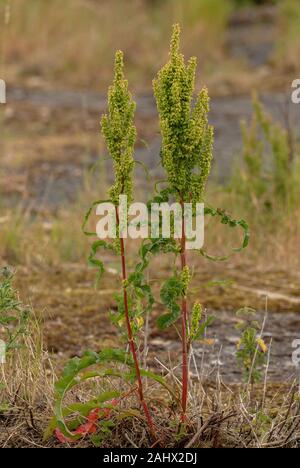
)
(184, 320)
(131, 339)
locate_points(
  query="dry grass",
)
(288, 47)
(274, 237)
(74, 43)
(234, 416)
(26, 390)
(86, 32)
(48, 241)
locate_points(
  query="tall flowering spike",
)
(175, 40)
(187, 139)
(119, 132)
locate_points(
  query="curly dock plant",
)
(186, 154)
(120, 134)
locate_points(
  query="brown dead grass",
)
(219, 416)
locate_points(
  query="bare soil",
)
(76, 315)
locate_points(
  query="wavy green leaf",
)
(71, 377)
(226, 219)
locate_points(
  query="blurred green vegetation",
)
(268, 183)
(72, 44)
(289, 34)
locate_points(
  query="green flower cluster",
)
(196, 319)
(119, 132)
(187, 139)
(185, 279)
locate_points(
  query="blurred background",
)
(57, 60)
(239, 43)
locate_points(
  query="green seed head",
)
(196, 318)
(119, 132)
(187, 139)
(185, 278)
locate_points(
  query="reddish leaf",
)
(63, 439)
(90, 426)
